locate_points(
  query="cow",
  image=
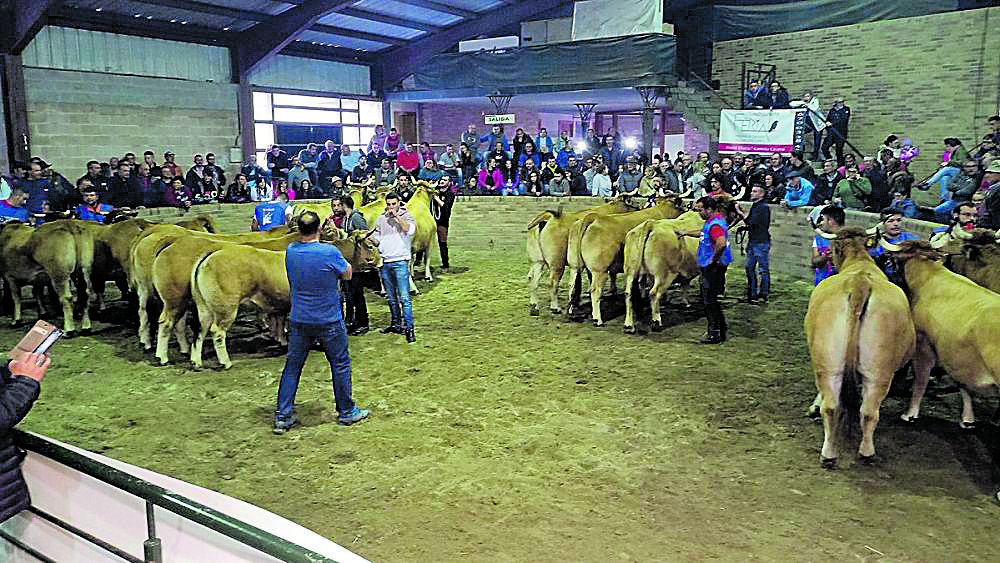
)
(201, 222)
(548, 237)
(596, 241)
(858, 324)
(224, 279)
(19, 268)
(956, 322)
(59, 249)
(171, 278)
(659, 249)
(974, 254)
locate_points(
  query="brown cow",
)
(548, 238)
(956, 322)
(658, 249)
(974, 254)
(19, 268)
(596, 243)
(858, 323)
(224, 279)
(171, 276)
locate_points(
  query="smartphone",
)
(39, 339)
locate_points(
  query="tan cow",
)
(171, 276)
(657, 250)
(224, 279)
(974, 254)
(19, 268)
(858, 323)
(596, 244)
(58, 249)
(548, 238)
(956, 322)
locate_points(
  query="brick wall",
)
(75, 117)
(923, 78)
(487, 223)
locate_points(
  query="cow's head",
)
(848, 243)
(962, 249)
(364, 253)
(203, 222)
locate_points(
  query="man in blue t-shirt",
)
(271, 214)
(313, 269)
(831, 220)
(91, 209)
(892, 232)
(12, 208)
(714, 257)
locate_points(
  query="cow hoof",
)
(828, 463)
(630, 330)
(85, 331)
(164, 361)
(68, 334)
(969, 426)
(598, 323)
(656, 326)
(555, 310)
(813, 412)
(909, 420)
(227, 366)
(534, 311)
(866, 459)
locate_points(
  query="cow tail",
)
(849, 417)
(574, 253)
(201, 306)
(645, 232)
(543, 218)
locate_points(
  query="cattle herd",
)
(861, 329)
(185, 267)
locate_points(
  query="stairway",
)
(700, 107)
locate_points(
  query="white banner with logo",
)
(761, 131)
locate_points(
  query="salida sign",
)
(500, 119)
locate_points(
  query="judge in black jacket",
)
(19, 387)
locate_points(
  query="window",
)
(300, 115)
(262, 106)
(306, 101)
(276, 114)
(264, 135)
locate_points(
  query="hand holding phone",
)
(39, 339)
(30, 365)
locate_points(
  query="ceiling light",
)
(149, 17)
(225, 28)
(184, 22)
(98, 9)
(173, 20)
(138, 16)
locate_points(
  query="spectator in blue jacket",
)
(797, 191)
(496, 134)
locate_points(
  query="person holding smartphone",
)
(19, 387)
(394, 232)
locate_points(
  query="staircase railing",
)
(711, 90)
(154, 495)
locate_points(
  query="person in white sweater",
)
(394, 232)
(601, 184)
(815, 121)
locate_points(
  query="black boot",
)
(410, 337)
(396, 325)
(443, 247)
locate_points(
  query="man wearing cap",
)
(797, 192)
(12, 208)
(837, 121)
(91, 209)
(170, 169)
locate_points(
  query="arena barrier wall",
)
(497, 224)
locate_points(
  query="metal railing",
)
(713, 91)
(154, 495)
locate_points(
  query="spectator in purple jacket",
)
(177, 194)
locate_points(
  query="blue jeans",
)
(943, 211)
(396, 279)
(758, 254)
(944, 175)
(333, 338)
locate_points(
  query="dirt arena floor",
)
(504, 437)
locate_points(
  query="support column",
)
(248, 136)
(650, 96)
(15, 104)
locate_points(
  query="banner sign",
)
(501, 119)
(761, 131)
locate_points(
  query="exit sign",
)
(502, 119)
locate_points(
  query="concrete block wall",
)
(497, 224)
(76, 117)
(923, 78)
(440, 124)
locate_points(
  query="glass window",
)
(349, 104)
(371, 112)
(261, 106)
(263, 135)
(349, 117)
(306, 101)
(366, 134)
(262, 159)
(297, 115)
(352, 135)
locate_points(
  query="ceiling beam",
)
(29, 17)
(125, 25)
(273, 35)
(355, 34)
(444, 8)
(398, 63)
(374, 17)
(339, 54)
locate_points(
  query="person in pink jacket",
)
(490, 179)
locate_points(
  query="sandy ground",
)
(501, 437)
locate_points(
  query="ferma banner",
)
(761, 131)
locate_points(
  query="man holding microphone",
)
(394, 232)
